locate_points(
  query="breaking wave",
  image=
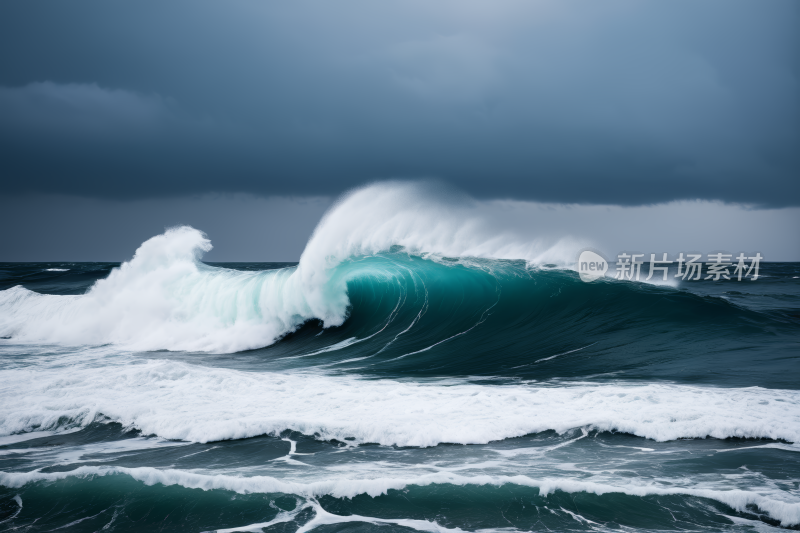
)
(166, 298)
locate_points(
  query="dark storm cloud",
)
(615, 102)
(242, 227)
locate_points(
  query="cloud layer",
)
(615, 103)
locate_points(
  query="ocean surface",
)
(380, 388)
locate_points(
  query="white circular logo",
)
(591, 266)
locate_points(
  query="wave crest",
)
(165, 298)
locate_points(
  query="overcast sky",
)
(251, 228)
(111, 110)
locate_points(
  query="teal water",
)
(407, 393)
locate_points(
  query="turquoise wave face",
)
(410, 316)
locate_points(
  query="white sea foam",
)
(164, 298)
(22, 437)
(282, 516)
(181, 401)
(787, 512)
(97, 452)
(323, 518)
(56, 269)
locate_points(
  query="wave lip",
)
(787, 512)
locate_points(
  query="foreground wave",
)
(182, 401)
(787, 513)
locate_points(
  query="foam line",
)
(787, 512)
(175, 400)
(565, 353)
(323, 517)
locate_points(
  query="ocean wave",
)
(165, 298)
(787, 512)
(181, 401)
